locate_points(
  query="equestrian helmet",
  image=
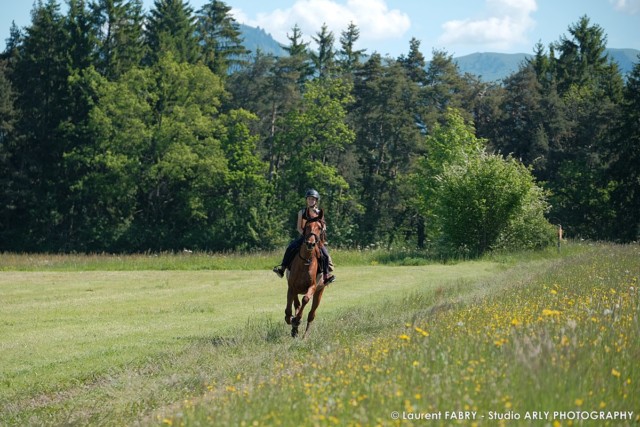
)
(312, 193)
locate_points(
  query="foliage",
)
(313, 137)
(387, 142)
(219, 33)
(478, 198)
(529, 228)
(170, 28)
(473, 201)
(157, 131)
(625, 154)
(119, 36)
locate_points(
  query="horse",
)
(305, 276)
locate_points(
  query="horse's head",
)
(312, 231)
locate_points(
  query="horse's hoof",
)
(294, 332)
(288, 319)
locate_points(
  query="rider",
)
(312, 210)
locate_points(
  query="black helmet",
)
(312, 193)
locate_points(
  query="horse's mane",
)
(319, 216)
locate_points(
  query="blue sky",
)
(459, 27)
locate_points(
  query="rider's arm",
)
(299, 224)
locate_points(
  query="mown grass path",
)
(68, 338)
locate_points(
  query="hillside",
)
(258, 39)
(489, 66)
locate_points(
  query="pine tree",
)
(82, 36)
(299, 60)
(387, 140)
(445, 88)
(625, 158)
(348, 58)
(171, 28)
(324, 58)
(7, 111)
(13, 43)
(414, 63)
(220, 38)
(118, 26)
(38, 151)
(591, 90)
(7, 173)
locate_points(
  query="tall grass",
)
(540, 331)
(256, 260)
(562, 342)
(184, 261)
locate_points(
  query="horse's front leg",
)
(291, 299)
(314, 306)
(294, 321)
(305, 300)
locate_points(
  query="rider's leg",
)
(326, 264)
(288, 256)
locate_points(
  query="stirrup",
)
(330, 279)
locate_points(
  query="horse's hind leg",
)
(314, 306)
(305, 299)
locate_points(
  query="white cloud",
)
(372, 17)
(505, 25)
(626, 6)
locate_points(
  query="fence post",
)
(559, 236)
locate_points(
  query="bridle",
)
(309, 245)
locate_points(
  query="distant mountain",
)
(487, 66)
(626, 58)
(496, 66)
(491, 66)
(258, 39)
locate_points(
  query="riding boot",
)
(293, 247)
(327, 266)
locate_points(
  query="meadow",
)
(199, 339)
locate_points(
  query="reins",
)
(304, 243)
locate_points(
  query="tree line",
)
(127, 131)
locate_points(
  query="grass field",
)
(200, 340)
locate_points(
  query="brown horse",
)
(305, 276)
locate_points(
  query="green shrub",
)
(486, 201)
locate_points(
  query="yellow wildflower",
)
(547, 312)
(422, 332)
